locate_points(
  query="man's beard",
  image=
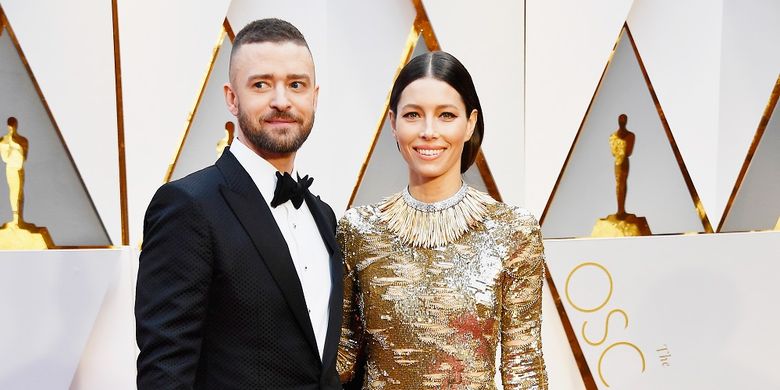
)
(264, 139)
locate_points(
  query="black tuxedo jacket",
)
(218, 302)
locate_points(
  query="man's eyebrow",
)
(259, 76)
(292, 76)
(301, 76)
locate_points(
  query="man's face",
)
(273, 94)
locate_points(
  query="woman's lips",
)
(428, 153)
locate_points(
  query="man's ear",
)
(316, 95)
(231, 99)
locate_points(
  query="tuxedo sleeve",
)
(174, 275)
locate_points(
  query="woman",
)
(439, 274)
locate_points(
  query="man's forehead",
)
(287, 50)
(282, 56)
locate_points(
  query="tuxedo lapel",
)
(250, 208)
(324, 224)
(327, 230)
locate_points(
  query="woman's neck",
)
(435, 189)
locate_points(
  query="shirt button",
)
(295, 226)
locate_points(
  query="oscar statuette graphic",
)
(17, 234)
(227, 139)
(621, 224)
(777, 225)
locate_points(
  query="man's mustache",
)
(281, 115)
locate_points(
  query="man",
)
(240, 278)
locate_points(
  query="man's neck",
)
(283, 162)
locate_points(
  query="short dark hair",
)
(445, 67)
(267, 30)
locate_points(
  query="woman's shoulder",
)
(514, 218)
(360, 218)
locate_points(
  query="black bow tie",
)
(289, 189)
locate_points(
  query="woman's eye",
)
(411, 115)
(448, 115)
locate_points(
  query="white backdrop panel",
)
(70, 48)
(166, 48)
(706, 299)
(108, 359)
(198, 149)
(49, 300)
(757, 204)
(567, 46)
(750, 65)
(680, 44)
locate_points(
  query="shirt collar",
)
(262, 172)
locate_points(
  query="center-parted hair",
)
(445, 67)
(267, 30)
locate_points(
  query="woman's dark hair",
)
(445, 67)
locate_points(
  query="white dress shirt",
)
(307, 248)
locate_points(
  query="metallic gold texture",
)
(621, 143)
(571, 336)
(17, 234)
(120, 126)
(770, 108)
(628, 225)
(433, 317)
(227, 139)
(13, 151)
(621, 224)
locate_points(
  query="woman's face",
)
(431, 126)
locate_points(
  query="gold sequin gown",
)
(433, 317)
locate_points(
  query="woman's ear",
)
(391, 118)
(471, 123)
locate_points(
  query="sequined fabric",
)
(433, 318)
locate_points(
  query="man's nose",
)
(280, 100)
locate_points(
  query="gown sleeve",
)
(350, 340)
(522, 363)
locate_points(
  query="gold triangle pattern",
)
(585, 372)
(223, 135)
(696, 202)
(744, 172)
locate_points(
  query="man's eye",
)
(260, 84)
(411, 115)
(296, 85)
